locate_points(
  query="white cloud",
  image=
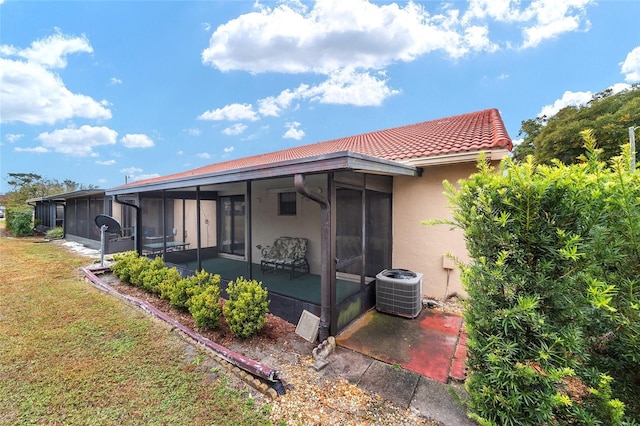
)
(538, 20)
(115, 81)
(133, 174)
(568, 98)
(78, 142)
(193, 131)
(293, 132)
(343, 87)
(33, 94)
(619, 87)
(131, 170)
(106, 163)
(204, 155)
(180, 152)
(631, 66)
(553, 18)
(134, 177)
(272, 106)
(136, 141)
(206, 26)
(228, 149)
(13, 137)
(335, 34)
(52, 51)
(236, 129)
(349, 41)
(232, 112)
(577, 99)
(37, 150)
(351, 88)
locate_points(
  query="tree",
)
(558, 137)
(31, 185)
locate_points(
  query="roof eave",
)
(495, 154)
(337, 161)
(60, 198)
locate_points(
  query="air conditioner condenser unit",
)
(399, 292)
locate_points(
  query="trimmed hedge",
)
(553, 319)
(245, 312)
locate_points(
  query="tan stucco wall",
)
(419, 247)
(268, 225)
(207, 222)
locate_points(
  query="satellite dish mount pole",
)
(103, 231)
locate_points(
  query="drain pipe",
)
(138, 240)
(325, 249)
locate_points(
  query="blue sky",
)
(102, 91)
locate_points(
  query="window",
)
(287, 203)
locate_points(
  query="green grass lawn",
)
(70, 354)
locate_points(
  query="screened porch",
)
(222, 221)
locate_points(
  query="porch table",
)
(155, 248)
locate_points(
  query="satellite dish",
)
(111, 223)
(106, 224)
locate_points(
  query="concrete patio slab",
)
(425, 345)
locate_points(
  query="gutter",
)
(458, 157)
(240, 361)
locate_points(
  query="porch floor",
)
(305, 288)
(433, 344)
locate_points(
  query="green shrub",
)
(19, 221)
(136, 269)
(247, 307)
(54, 233)
(554, 264)
(154, 275)
(121, 264)
(205, 307)
(182, 291)
(169, 281)
(129, 266)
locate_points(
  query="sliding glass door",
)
(232, 225)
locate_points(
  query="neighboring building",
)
(359, 201)
(75, 212)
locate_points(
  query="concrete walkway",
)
(410, 362)
(405, 388)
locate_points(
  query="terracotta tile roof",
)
(470, 132)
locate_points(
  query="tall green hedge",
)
(19, 221)
(553, 299)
